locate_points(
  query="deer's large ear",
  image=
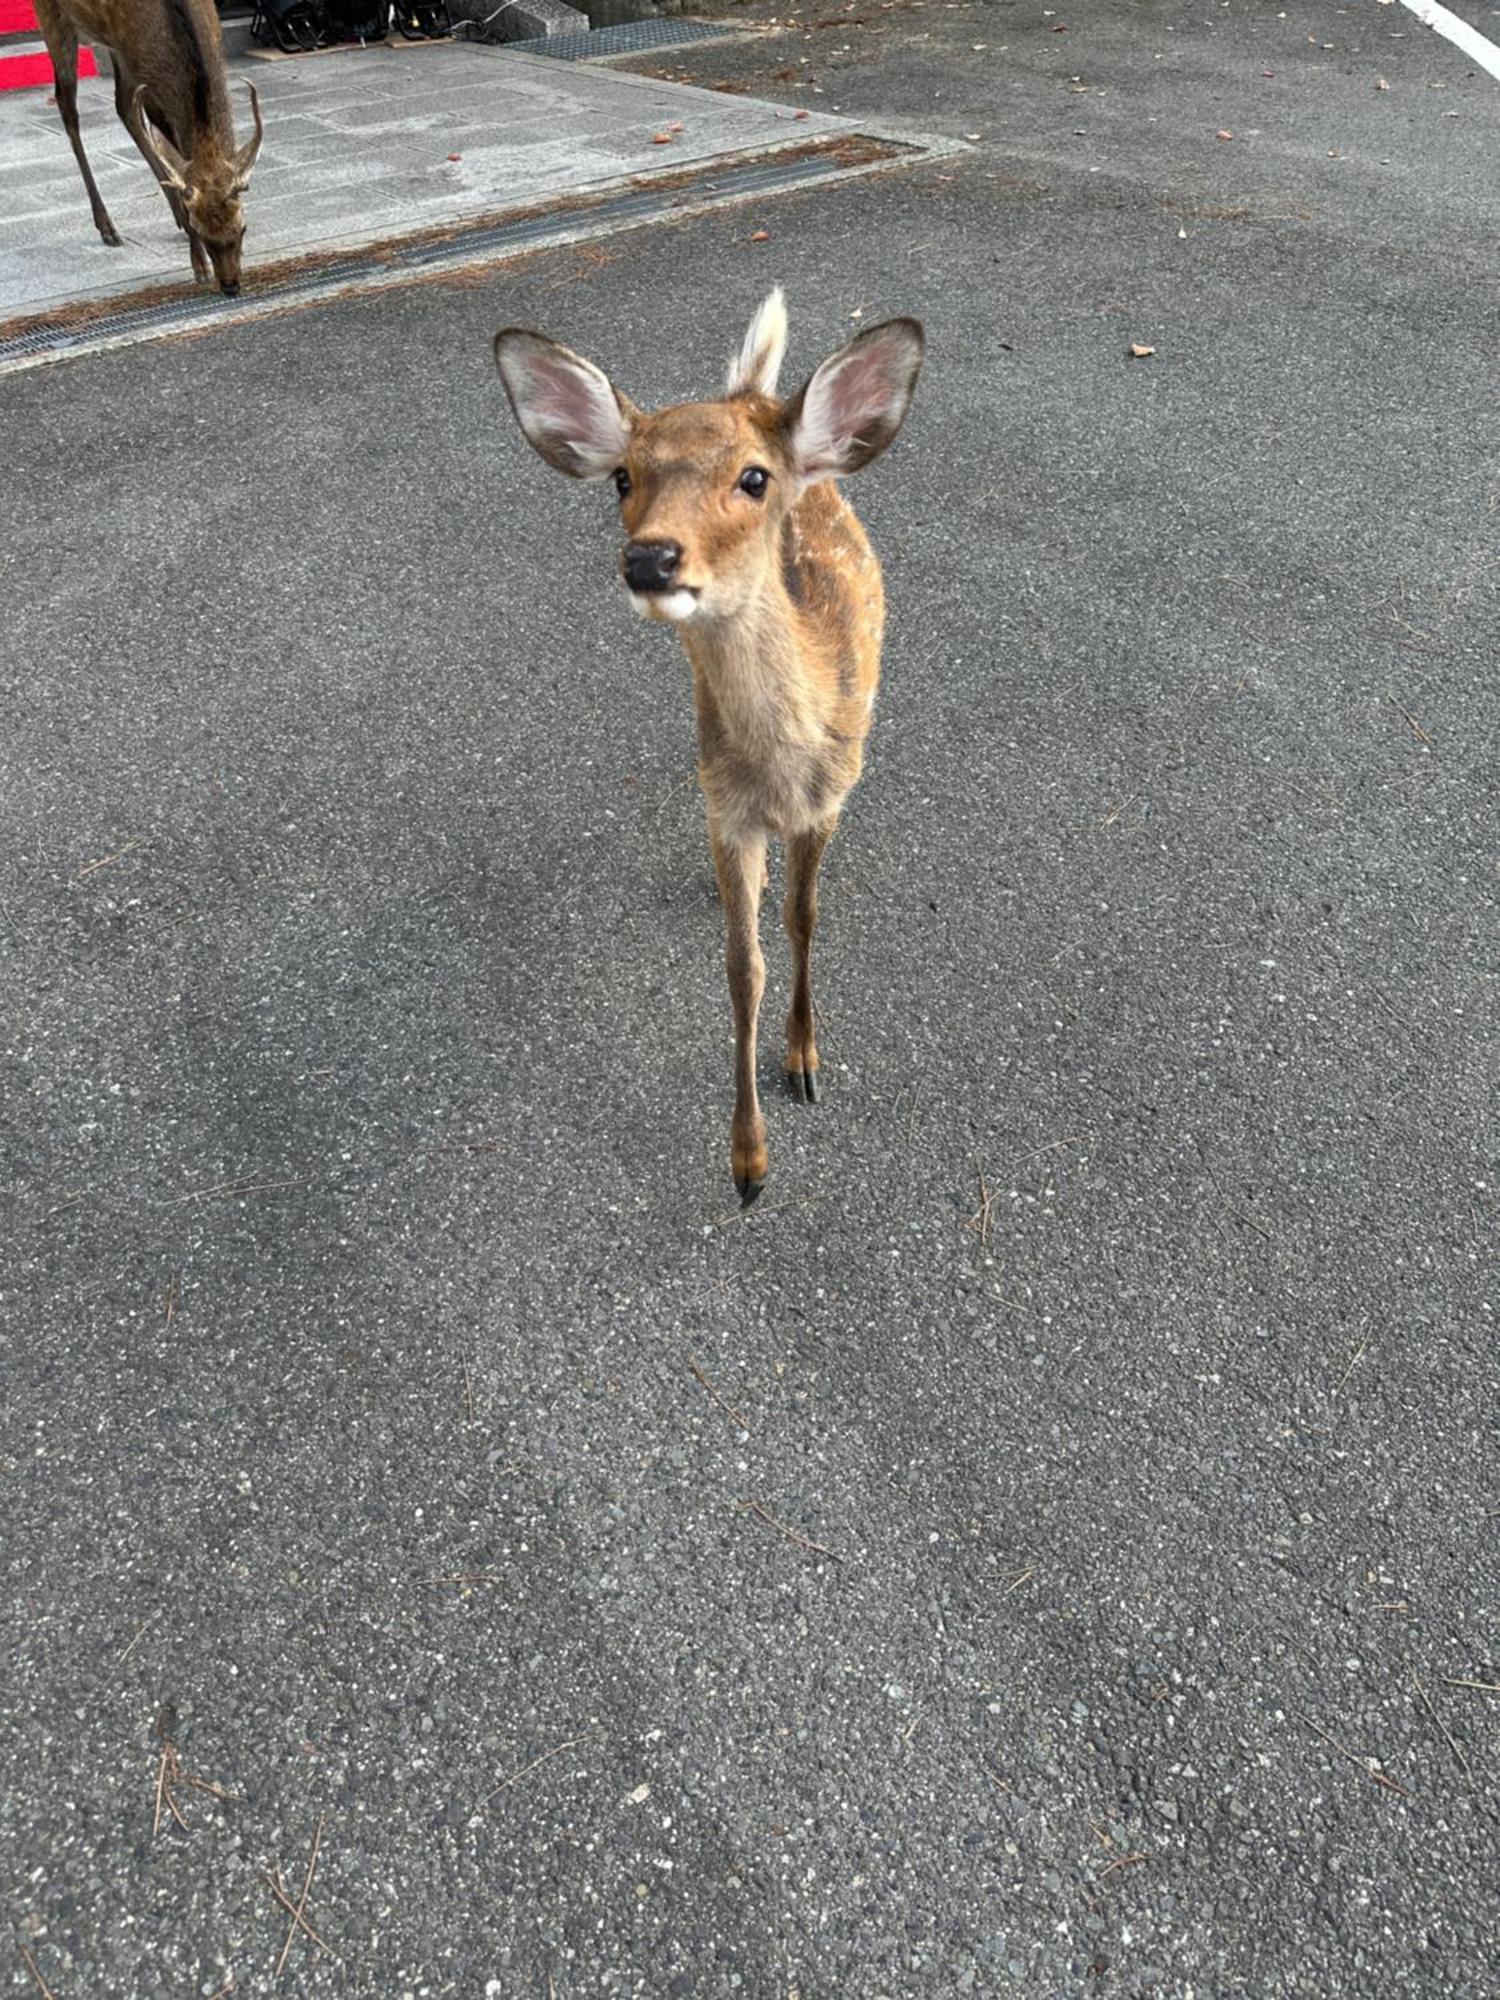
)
(566, 406)
(852, 407)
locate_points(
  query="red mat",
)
(30, 69)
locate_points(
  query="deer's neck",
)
(752, 669)
(184, 73)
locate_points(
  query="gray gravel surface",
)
(1120, 1328)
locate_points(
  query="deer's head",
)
(705, 487)
(210, 184)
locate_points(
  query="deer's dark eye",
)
(622, 481)
(754, 480)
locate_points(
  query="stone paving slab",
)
(357, 149)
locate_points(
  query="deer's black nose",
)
(230, 287)
(651, 565)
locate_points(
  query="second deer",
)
(172, 95)
(736, 534)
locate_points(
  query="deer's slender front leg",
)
(65, 73)
(741, 870)
(804, 854)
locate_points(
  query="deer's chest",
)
(776, 773)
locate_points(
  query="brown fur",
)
(783, 629)
(169, 75)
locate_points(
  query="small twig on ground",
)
(163, 1790)
(1486, 1687)
(170, 1297)
(1121, 1861)
(979, 1221)
(526, 1770)
(469, 1409)
(1411, 721)
(466, 1576)
(299, 1912)
(791, 1534)
(728, 1408)
(278, 1889)
(1354, 1360)
(1021, 1576)
(108, 860)
(170, 1772)
(1365, 1764)
(1052, 1146)
(1425, 1699)
(231, 1188)
(42, 1987)
(141, 1632)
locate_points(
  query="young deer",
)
(736, 535)
(169, 74)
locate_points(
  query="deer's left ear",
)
(852, 407)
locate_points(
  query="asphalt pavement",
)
(1047, 1547)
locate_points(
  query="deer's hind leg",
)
(804, 855)
(740, 867)
(62, 46)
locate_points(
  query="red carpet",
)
(29, 69)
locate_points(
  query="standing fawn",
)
(169, 74)
(736, 534)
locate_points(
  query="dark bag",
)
(293, 26)
(356, 20)
(423, 20)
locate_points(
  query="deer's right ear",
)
(568, 409)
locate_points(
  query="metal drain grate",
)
(626, 39)
(715, 184)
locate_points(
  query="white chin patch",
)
(676, 605)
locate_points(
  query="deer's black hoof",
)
(111, 239)
(803, 1084)
(749, 1189)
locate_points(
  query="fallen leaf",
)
(761, 236)
(1381, 84)
(1268, 72)
(800, 114)
(973, 137)
(1225, 135)
(1182, 236)
(1139, 352)
(455, 156)
(677, 126)
(661, 138)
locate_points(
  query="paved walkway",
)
(360, 145)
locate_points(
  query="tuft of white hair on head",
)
(754, 369)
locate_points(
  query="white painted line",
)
(1462, 36)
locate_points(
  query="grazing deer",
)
(169, 74)
(735, 534)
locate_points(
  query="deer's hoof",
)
(803, 1084)
(749, 1189)
(111, 239)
